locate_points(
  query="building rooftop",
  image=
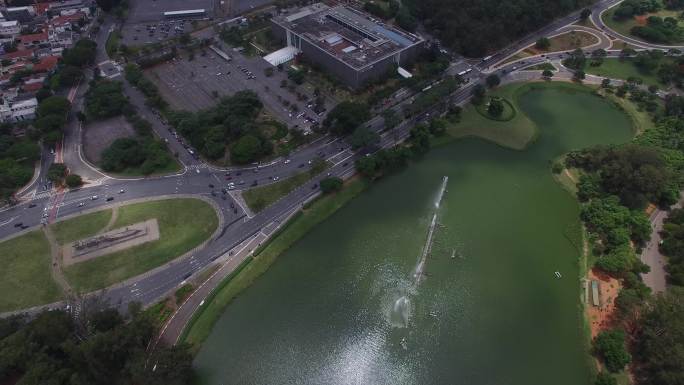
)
(352, 36)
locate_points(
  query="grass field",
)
(571, 40)
(641, 119)
(81, 227)
(202, 322)
(542, 67)
(261, 197)
(25, 278)
(623, 69)
(516, 133)
(508, 112)
(183, 225)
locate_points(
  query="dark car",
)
(314, 186)
(32, 205)
(110, 199)
(18, 224)
(211, 185)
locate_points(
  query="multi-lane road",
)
(238, 224)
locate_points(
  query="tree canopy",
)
(212, 130)
(475, 27)
(105, 99)
(659, 346)
(610, 347)
(81, 54)
(346, 117)
(105, 348)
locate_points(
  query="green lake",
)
(343, 306)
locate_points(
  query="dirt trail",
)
(112, 220)
(56, 263)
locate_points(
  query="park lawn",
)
(81, 227)
(199, 327)
(25, 277)
(623, 69)
(516, 133)
(542, 67)
(183, 225)
(261, 197)
(641, 120)
(571, 40)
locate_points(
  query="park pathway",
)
(56, 265)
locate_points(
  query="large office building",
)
(351, 45)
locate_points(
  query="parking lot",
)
(190, 85)
(153, 32)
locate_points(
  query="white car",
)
(287, 161)
(93, 197)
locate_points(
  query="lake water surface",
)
(343, 306)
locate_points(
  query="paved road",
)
(656, 279)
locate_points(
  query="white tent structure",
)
(281, 56)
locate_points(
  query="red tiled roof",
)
(41, 8)
(32, 87)
(28, 39)
(61, 20)
(23, 53)
(46, 64)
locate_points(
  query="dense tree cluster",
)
(635, 173)
(346, 117)
(330, 185)
(232, 122)
(57, 172)
(105, 99)
(476, 27)
(659, 347)
(105, 348)
(17, 156)
(145, 153)
(660, 30)
(51, 116)
(673, 246)
(609, 345)
(630, 8)
(81, 54)
(386, 161)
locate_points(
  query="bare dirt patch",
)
(110, 242)
(641, 19)
(601, 317)
(97, 136)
